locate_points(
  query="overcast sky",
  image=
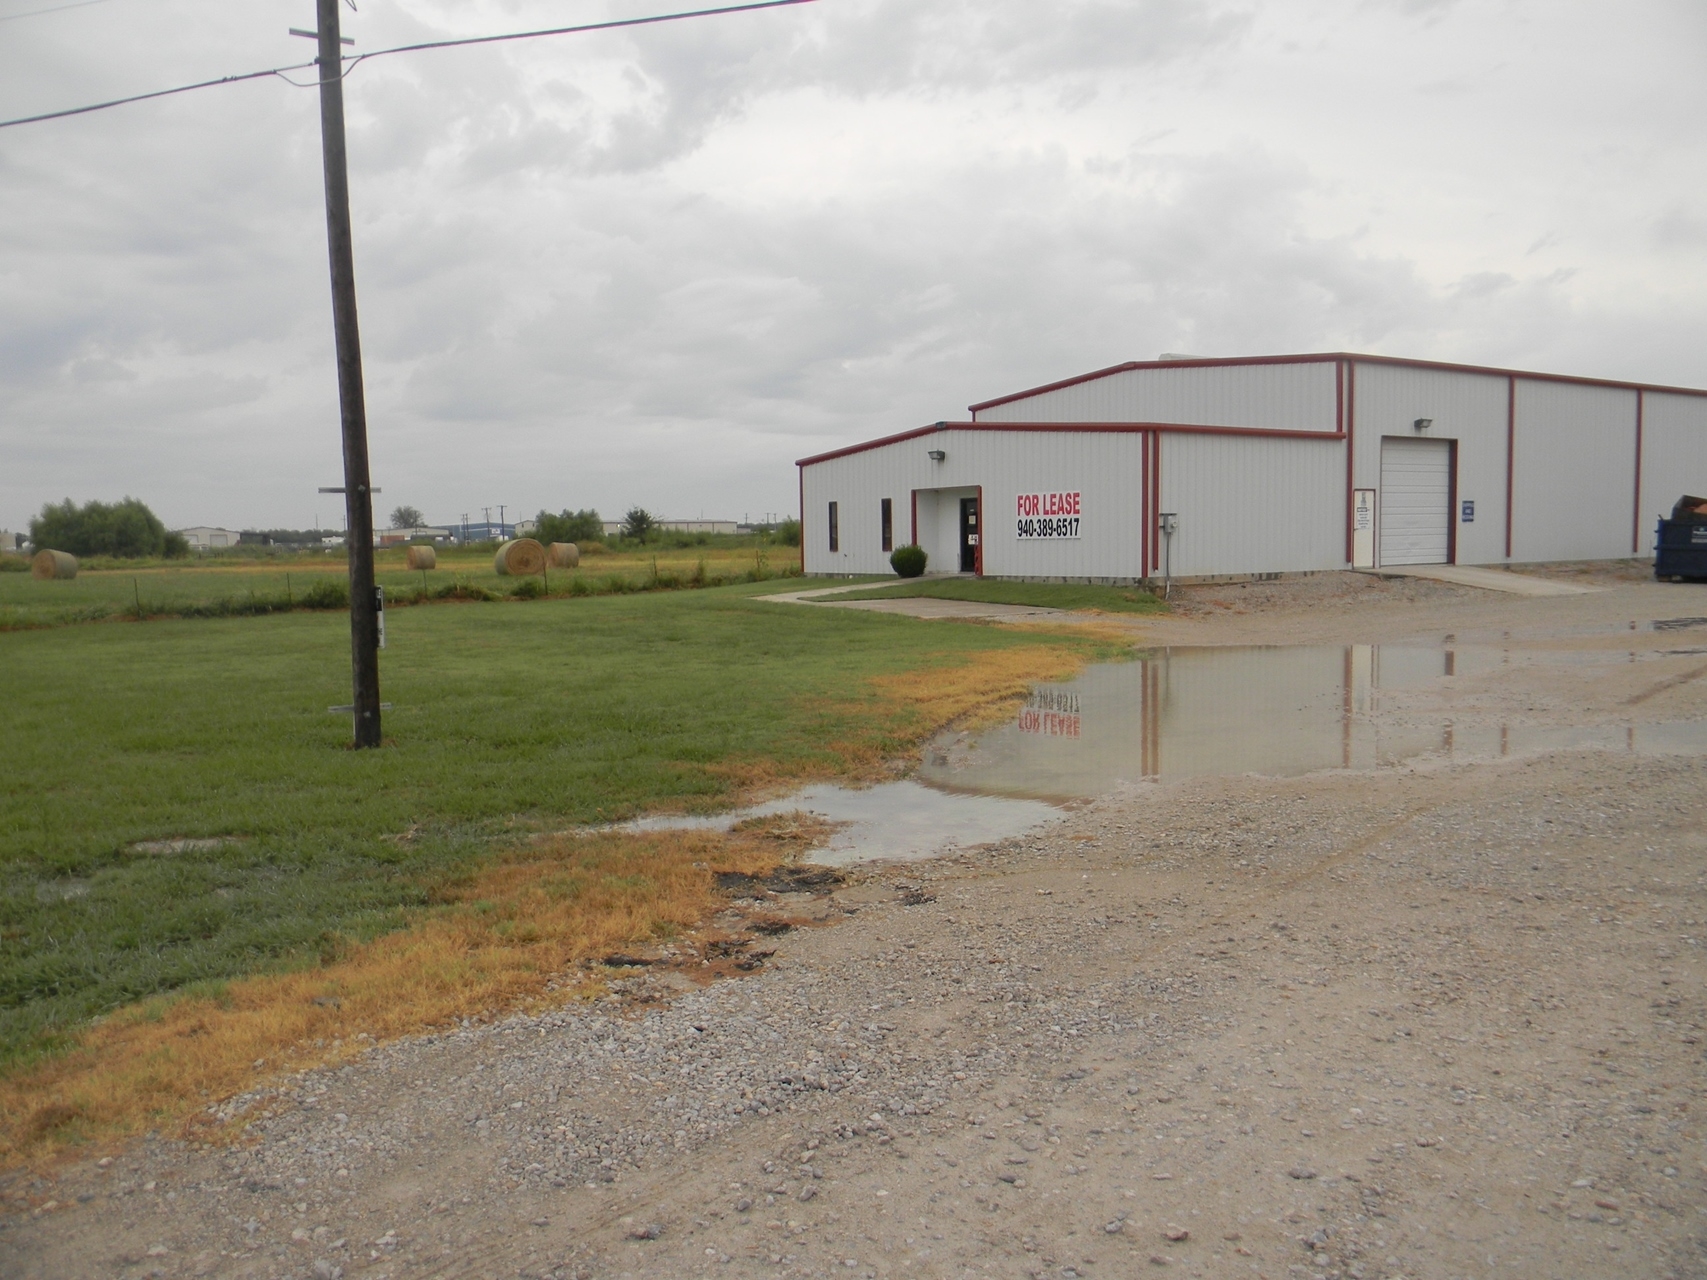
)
(656, 267)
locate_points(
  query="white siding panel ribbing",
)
(1674, 456)
(1105, 467)
(1278, 397)
(1575, 471)
(1467, 407)
(1249, 505)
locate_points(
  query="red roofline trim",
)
(1161, 428)
(1326, 358)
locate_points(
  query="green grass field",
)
(232, 584)
(1043, 595)
(506, 719)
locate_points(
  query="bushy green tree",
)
(407, 518)
(638, 524)
(125, 528)
(569, 526)
(788, 533)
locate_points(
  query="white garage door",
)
(1416, 500)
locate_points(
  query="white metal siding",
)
(1467, 407)
(1575, 472)
(1412, 508)
(1674, 457)
(1249, 505)
(1106, 467)
(1278, 397)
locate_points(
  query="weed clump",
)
(329, 593)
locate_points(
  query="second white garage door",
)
(1416, 500)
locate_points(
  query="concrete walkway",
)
(1517, 584)
(920, 606)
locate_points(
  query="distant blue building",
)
(481, 531)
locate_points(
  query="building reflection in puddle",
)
(1282, 710)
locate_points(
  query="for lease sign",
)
(1048, 515)
(1051, 713)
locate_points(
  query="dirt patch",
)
(527, 927)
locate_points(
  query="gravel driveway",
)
(1441, 1021)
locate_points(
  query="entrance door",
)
(1416, 501)
(969, 535)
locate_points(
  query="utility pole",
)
(502, 531)
(358, 498)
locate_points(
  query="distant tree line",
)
(569, 526)
(126, 529)
(638, 525)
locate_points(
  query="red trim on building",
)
(1345, 382)
(1181, 428)
(1636, 501)
(1144, 516)
(899, 436)
(802, 469)
(1452, 512)
(978, 547)
(1131, 365)
(1510, 454)
(1322, 357)
(1156, 497)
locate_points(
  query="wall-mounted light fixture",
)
(1423, 424)
(936, 455)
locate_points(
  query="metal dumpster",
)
(1680, 550)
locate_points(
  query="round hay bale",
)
(565, 555)
(48, 565)
(423, 558)
(519, 559)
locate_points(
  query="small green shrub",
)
(328, 593)
(528, 589)
(908, 561)
(462, 590)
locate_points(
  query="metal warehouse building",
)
(1276, 464)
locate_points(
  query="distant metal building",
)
(1265, 465)
(613, 528)
(207, 538)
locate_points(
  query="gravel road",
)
(1435, 1021)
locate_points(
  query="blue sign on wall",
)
(1469, 514)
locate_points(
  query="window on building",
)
(888, 525)
(835, 530)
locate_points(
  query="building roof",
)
(1195, 362)
(1322, 357)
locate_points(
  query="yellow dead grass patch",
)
(496, 939)
(981, 690)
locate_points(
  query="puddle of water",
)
(1279, 711)
(1193, 712)
(899, 821)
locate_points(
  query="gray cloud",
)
(657, 268)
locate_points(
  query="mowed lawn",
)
(507, 718)
(1041, 595)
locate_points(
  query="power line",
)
(354, 60)
(58, 8)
